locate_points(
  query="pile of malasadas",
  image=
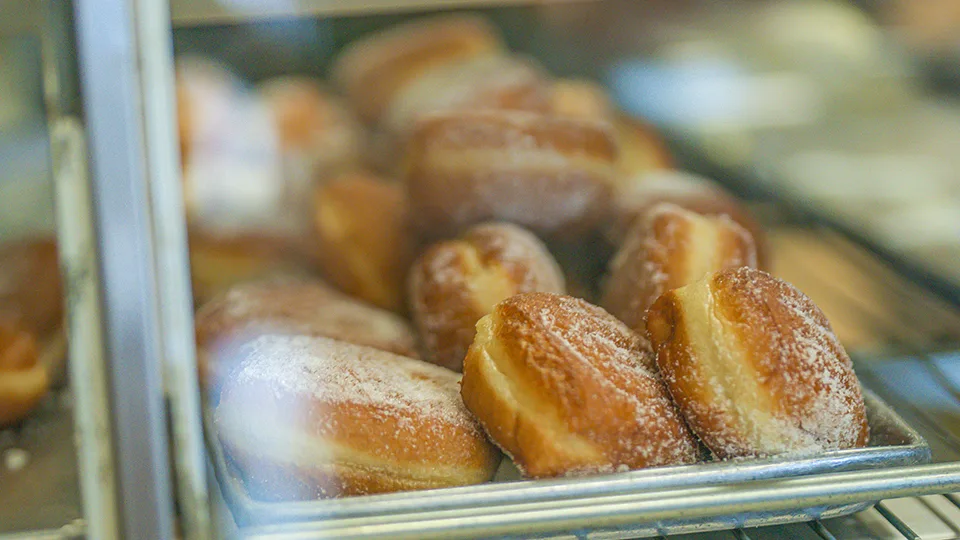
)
(693, 353)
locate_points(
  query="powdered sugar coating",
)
(340, 373)
(485, 82)
(292, 306)
(454, 283)
(755, 367)
(307, 417)
(638, 195)
(669, 248)
(551, 174)
(594, 382)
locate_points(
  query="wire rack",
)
(906, 345)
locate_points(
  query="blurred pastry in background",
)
(218, 262)
(455, 283)
(637, 195)
(486, 82)
(580, 99)
(364, 239)
(671, 247)
(233, 179)
(554, 175)
(319, 137)
(642, 149)
(30, 285)
(289, 306)
(373, 70)
(23, 379)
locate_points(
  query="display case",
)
(267, 213)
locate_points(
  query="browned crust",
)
(453, 283)
(365, 241)
(581, 99)
(784, 345)
(661, 253)
(23, 380)
(637, 195)
(31, 291)
(587, 374)
(292, 306)
(642, 149)
(553, 175)
(370, 71)
(514, 131)
(220, 262)
(382, 445)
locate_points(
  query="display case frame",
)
(125, 252)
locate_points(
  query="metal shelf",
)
(211, 12)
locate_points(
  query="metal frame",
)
(123, 236)
(120, 248)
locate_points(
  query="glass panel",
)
(341, 163)
(39, 488)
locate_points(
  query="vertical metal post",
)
(178, 350)
(111, 88)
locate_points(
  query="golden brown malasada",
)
(221, 261)
(372, 70)
(486, 82)
(642, 149)
(565, 389)
(365, 242)
(456, 282)
(637, 195)
(581, 99)
(670, 248)
(318, 136)
(290, 306)
(551, 174)
(310, 417)
(31, 291)
(23, 379)
(755, 367)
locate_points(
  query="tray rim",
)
(471, 502)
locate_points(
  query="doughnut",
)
(220, 262)
(310, 417)
(485, 82)
(642, 149)
(290, 306)
(671, 248)
(319, 137)
(233, 174)
(23, 379)
(636, 195)
(566, 389)
(31, 290)
(365, 242)
(755, 367)
(551, 174)
(371, 71)
(456, 282)
(580, 99)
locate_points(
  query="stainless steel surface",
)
(647, 497)
(87, 362)
(177, 349)
(122, 250)
(39, 485)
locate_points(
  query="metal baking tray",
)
(893, 444)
